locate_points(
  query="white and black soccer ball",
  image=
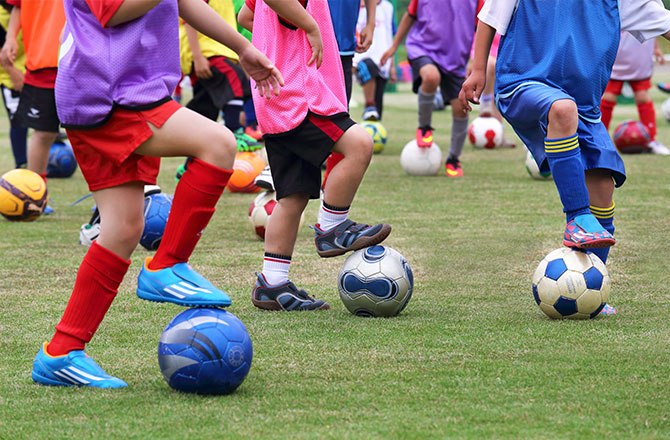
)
(534, 170)
(375, 281)
(571, 284)
(417, 161)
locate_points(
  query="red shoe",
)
(453, 167)
(254, 133)
(424, 137)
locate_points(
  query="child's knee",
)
(221, 149)
(564, 113)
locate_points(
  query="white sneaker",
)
(370, 114)
(264, 179)
(658, 148)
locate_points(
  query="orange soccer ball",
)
(246, 168)
(23, 195)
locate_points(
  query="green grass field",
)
(472, 356)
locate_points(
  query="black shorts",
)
(450, 85)
(37, 109)
(11, 99)
(296, 156)
(228, 82)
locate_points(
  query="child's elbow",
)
(246, 18)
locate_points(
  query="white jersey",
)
(382, 38)
(644, 19)
(634, 60)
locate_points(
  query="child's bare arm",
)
(205, 20)
(368, 31)
(294, 12)
(130, 10)
(9, 49)
(200, 62)
(474, 84)
(406, 23)
(246, 18)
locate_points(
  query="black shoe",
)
(284, 296)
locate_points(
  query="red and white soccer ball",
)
(261, 209)
(631, 137)
(485, 132)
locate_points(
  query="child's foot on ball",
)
(608, 310)
(584, 232)
(179, 284)
(424, 137)
(284, 297)
(348, 236)
(73, 369)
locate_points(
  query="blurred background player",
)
(250, 123)
(41, 23)
(120, 120)
(11, 83)
(372, 75)
(554, 106)
(635, 63)
(438, 55)
(301, 127)
(344, 15)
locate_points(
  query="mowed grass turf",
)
(471, 356)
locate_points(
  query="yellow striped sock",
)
(561, 145)
(602, 212)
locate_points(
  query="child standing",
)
(439, 58)
(371, 74)
(553, 104)
(41, 23)
(115, 104)
(300, 130)
(635, 63)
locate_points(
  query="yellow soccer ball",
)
(378, 133)
(23, 195)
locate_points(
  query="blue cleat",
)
(608, 310)
(348, 236)
(48, 210)
(179, 284)
(585, 232)
(73, 369)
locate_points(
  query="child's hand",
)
(201, 67)
(260, 68)
(315, 41)
(8, 52)
(365, 39)
(472, 89)
(386, 55)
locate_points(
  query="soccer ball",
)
(375, 281)
(665, 109)
(485, 132)
(418, 161)
(378, 133)
(23, 195)
(157, 207)
(205, 351)
(246, 168)
(62, 162)
(534, 170)
(572, 284)
(631, 137)
(260, 210)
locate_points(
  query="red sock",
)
(648, 117)
(44, 177)
(192, 206)
(606, 109)
(332, 160)
(95, 288)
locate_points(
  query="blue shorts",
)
(527, 109)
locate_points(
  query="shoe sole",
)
(39, 379)
(264, 185)
(148, 296)
(360, 243)
(593, 244)
(275, 306)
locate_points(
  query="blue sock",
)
(606, 218)
(231, 116)
(565, 162)
(17, 137)
(250, 113)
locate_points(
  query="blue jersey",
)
(344, 14)
(567, 44)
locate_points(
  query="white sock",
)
(275, 268)
(331, 216)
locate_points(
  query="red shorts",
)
(106, 154)
(615, 85)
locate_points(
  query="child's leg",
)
(18, 136)
(607, 104)
(430, 81)
(601, 189)
(39, 146)
(645, 108)
(459, 129)
(380, 88)
(231, 114)
(371, 113)
(213, 149)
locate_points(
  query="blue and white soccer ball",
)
(205, 351)
(571, 284)
(62, 162)
(375, 281)
(157, 207)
